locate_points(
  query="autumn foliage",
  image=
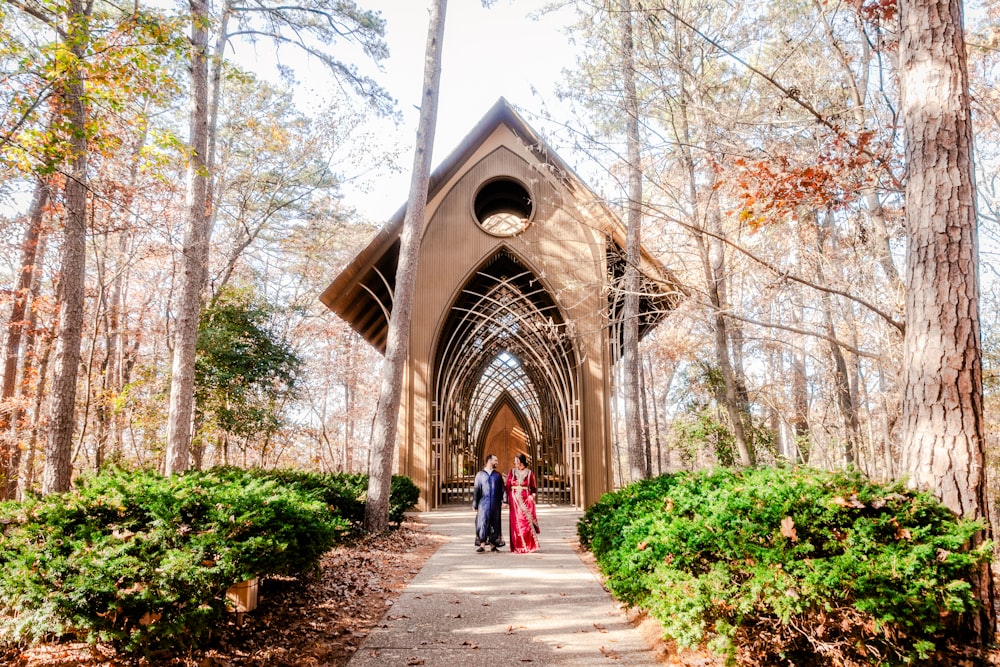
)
(780, 187)
(784, 566)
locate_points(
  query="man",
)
(487, 499)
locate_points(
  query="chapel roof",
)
(361, 293)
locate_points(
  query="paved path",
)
(465, 608)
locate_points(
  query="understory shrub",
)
(788, 566)
(142, 562)
(347, 492)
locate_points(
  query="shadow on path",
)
(467, 608)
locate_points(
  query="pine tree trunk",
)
(943, 439)
(57, 472)
(398, 339)
(841, 378)
(638, 468)
(195, 260)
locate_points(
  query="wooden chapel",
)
(514, 331)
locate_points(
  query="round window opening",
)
(503, 207)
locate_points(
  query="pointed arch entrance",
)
(505, 366)
(506, 433)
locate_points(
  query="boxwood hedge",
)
(142, 561)
(786, 565)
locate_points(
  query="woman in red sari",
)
(521, 491)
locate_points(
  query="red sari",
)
(521, 490)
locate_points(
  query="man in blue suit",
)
(487, 500)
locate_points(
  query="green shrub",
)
(776, 562)
(403, 495)
(143, 562)
(345, 493)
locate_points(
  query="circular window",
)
(503, 207)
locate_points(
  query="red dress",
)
(523, 520)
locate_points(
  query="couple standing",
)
(488, 497)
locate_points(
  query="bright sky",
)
(488, 54)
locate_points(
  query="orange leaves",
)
(781, 186)
(902, 533)
(851, 502)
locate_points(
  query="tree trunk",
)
(111, 380)
(714, 263)
(657, 436)
(62, 406)
(637, 456)
(9, 450)
(644, 424)
(712, 254)
(28, 476)
(195, 260)
(398, 339)
(841, 377)
(800, 406)
(943, 439)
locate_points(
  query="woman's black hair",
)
(522, 458)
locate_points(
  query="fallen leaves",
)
(851, 502)
(788, 529)
(608, 653)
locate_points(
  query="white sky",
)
(488, 54)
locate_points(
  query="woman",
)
(521, 491)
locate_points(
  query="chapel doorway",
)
(506, 437)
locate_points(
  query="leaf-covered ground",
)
(317, 622)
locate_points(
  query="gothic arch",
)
(504, 339)
(505, 433)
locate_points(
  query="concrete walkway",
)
(465, 608)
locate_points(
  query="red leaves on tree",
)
(780, 187)
(876, 11)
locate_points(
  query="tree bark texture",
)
(398, 337)
(9, 449)
(943, 441)
(637, 454)
(195, 253)
(58, 468)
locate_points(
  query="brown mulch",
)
(315, 622)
